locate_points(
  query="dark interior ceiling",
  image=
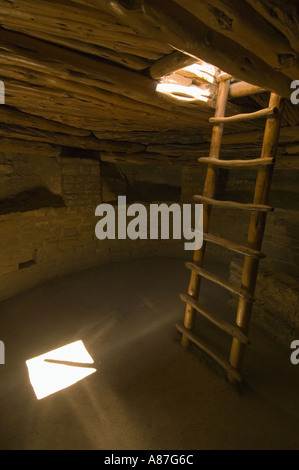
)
(82, 74)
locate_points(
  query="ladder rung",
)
(243, 250)
(220, 281)
(233, 205)
(211, 352)
(235, 164)
(232, 330)
(262, 113)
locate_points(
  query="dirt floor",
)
(147, 392)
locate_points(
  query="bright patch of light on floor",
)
(65, 369)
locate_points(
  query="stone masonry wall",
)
(40, 244)
(51, 233)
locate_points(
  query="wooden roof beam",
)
(169, 64)
(285, 18)
(55, 138)
(241, 23)
(12, 116)
(239, 89)
(72, 71)
(169, 22)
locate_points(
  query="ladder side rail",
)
(256, 230)
(209, 189)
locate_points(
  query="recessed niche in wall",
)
(30, 200)
(27, 264)
(20, 173)
(142, 184)
(153, 184)
(150, 191)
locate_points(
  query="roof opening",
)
(195, 83)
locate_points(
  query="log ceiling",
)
(82, 74)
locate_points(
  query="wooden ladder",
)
(252, 252)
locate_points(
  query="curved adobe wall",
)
(47, 222)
